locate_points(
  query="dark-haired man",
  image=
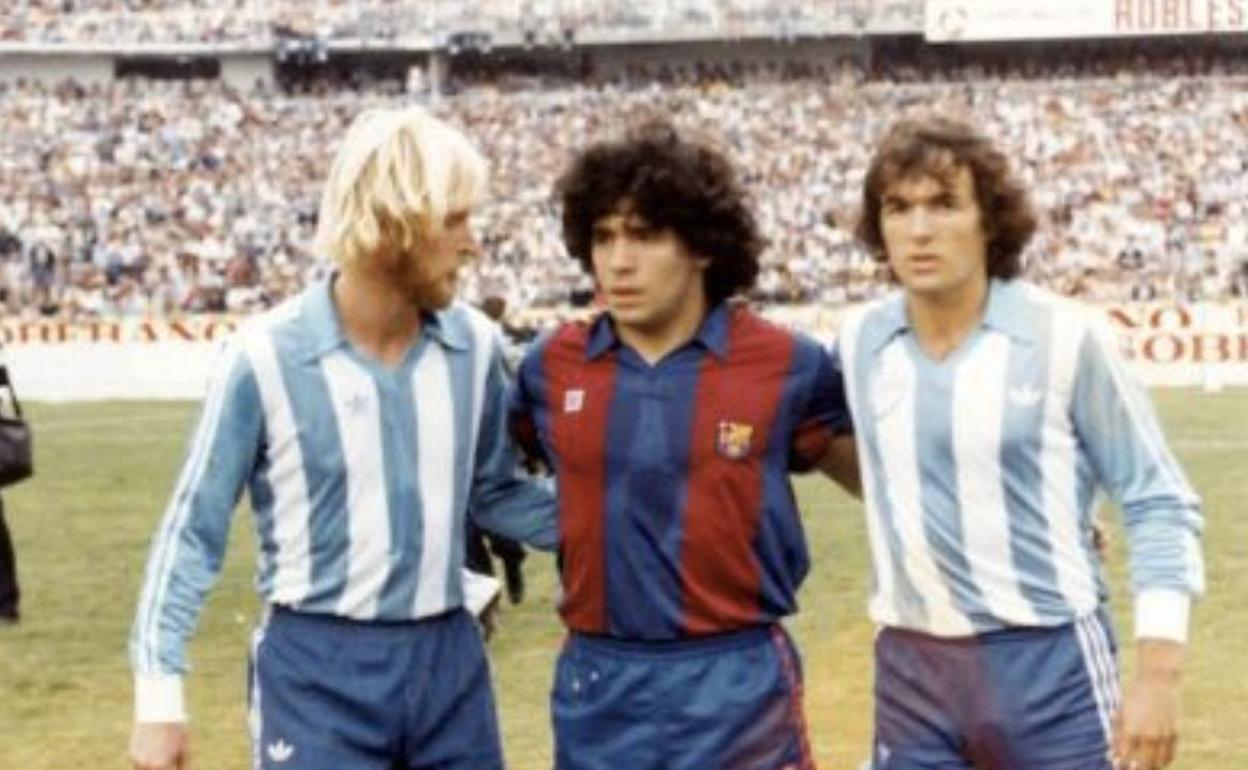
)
(672, 421)
(987, 414)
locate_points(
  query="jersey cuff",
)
(479, 591)
(1162, 613)
(158, 698)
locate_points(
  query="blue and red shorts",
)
(729, 702)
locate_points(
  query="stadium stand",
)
(137, 196)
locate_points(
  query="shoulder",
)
(868, 323)
(1068, 318)
(568, 341)
(287, 314)
(750, 333)
(256, 335)
(469, 325)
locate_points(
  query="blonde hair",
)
(398, 175)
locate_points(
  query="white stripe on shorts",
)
(1101, 667)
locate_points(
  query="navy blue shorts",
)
(728, 702)
(328, 693)
(1020, 699)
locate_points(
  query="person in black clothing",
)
(477, 552)
(10, 593)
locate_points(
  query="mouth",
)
(624, 295)
(923, 263)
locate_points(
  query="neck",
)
(376, 317)
(942, 321)
(652, 344)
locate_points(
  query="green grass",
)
(83, 525)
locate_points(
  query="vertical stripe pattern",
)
(578, 410)
(980, 469)
(436, 442)
(1098, 659)
(725, 508)
(1073, 562)
(892, 406)
(344, 457)
(358, 415)
(292, 575)
(978, 417)
(883, 584)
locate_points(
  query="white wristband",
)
(158, 698)
(1162, 613)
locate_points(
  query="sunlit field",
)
(82, 529)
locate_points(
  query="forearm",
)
(840, 463)
(1160, 659)
(1167, 569)
(520, 509)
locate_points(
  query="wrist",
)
(1162, 614)
(158, 698)
(1159, 659)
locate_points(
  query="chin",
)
(432, 300)
(924, 284)
(629, 316)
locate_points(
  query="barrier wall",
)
(1203, 345)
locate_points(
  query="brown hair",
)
(940, 147)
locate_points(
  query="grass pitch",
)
(82, 529)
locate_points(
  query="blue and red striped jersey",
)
(676, 515)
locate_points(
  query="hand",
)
(1146, 726)
(1101, 539)
(160, 746)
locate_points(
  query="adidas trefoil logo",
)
(1025, 396)
(280, 751)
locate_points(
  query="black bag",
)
(16, 460)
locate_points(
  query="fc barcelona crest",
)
(732, 439)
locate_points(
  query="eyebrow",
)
(942, 192)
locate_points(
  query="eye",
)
(644, 233)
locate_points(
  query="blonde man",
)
(365, 416)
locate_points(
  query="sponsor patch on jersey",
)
(573, 401)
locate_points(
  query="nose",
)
(619, 255)
(919, 222)
(470, 247)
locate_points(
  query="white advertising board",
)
(951, 21)
(1201, 345)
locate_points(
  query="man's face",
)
(648, 277)
(933, 232)
(431, 276)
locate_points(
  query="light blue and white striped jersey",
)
(981, 471)
(359, 475)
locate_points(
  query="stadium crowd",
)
(256, 22)
(145, 197)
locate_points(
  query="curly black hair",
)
(669, 182)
